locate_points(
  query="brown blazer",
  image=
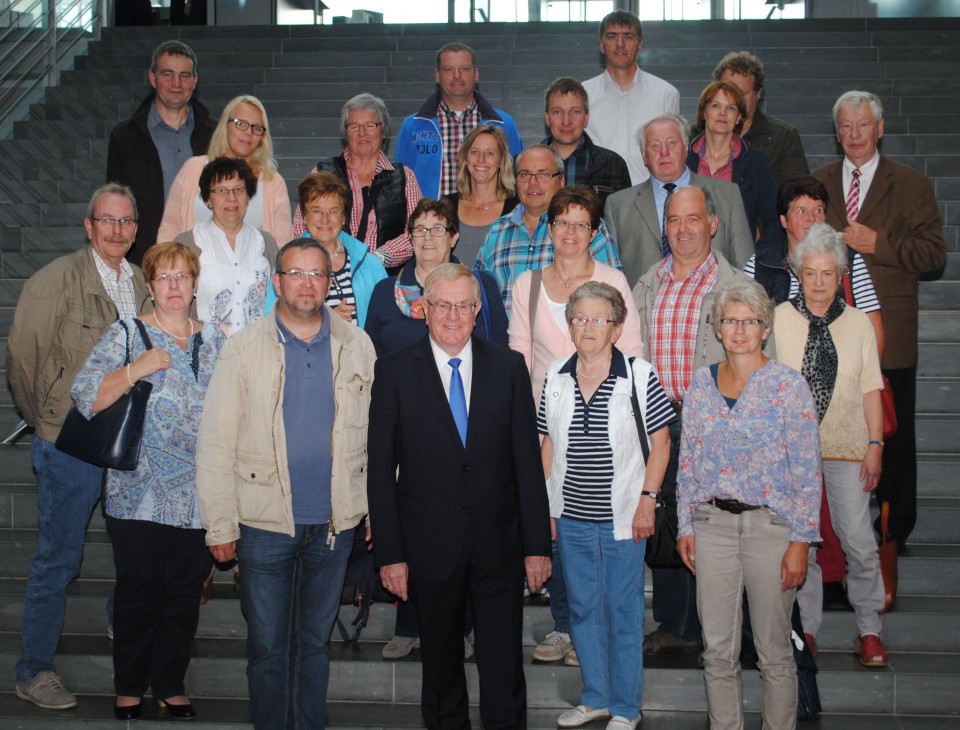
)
(901, 208)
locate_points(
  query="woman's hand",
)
(553, 529)
(687, 549)
(345, 310)
(643, 524)
(150, 362)
(793, 567)
(871, 467)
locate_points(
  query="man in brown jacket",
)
(63, 310)
(888, 214)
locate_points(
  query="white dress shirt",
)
(446, 371)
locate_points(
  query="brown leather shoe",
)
(871, 650)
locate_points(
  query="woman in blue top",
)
(354, 269)
(396, 317)
(152, 514)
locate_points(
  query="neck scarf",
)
(409, 299)
(820, 355)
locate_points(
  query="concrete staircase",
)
(303, 75)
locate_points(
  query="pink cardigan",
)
(551, 343)
(178, 212)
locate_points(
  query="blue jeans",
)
(559, 605)
(67, 491)
(605, 590)
(290, 595)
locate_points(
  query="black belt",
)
(733, 506)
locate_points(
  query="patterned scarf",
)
(820, 354)
(409, 299)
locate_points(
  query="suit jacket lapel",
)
(879, 188)
(481, 389)
(647, 208)
(436, 397)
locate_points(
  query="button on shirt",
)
(308, 411)
(446, 371)
(119, 286)
(173, 145)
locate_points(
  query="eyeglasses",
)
(180, 277)
(321, 212)
(367, 126)
(435, 231)
(238, 191)
(297, 274)
(749, 323)
(464, 309)
(595, 321)
(542, 176)
(567, 225)
(243, 125)
(109, 221)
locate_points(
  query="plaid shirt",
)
(395, 252)
(452, 132)
(673, 326)
(509, 250)
(119, 285)
(577, 164)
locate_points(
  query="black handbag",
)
(662, 544)
(111, 438)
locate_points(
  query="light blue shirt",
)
(660, 193)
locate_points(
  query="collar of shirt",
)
(867, 171)
(442, 360)
(618, 364)
(704, 269)
(470, 108)
(109, 275)
(660, 193)
(287, 338)
(154, 120)
(382, 162)
(611, 85)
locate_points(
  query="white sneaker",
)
(580, 715)
(554, 647)
(618, 722)
(400, 646)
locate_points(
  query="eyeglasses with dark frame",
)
(542, 176)
(435, 231)
(749, 323)
(243, 125)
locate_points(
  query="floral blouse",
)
(162, 489)
(763, 451)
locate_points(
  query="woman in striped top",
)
(602, 498)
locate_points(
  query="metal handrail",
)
(39, 49)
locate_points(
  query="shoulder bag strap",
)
(143, 333)
(126, 359)
(641, 429)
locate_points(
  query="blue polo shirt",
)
(308, 410)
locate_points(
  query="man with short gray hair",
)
(169, 127)
(63, 310)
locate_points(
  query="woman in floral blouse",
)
(748, 503)
(158, 544)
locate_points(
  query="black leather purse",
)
(112, 437)
(662, 544)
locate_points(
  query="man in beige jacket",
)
(281, 479)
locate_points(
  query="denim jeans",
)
(605, 580)
(67, 491)
(559, 604)
(290, 595)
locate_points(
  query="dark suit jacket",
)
(901, 208)
(426, 491)
(632, 218)
(781, 143)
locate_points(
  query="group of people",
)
(514, 354)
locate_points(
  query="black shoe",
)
(835, 597)
(128, 712)
(180, 712)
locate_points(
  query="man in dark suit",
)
(890, 217)
(458, 503)
(635, 215)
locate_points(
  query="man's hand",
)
(538, 571)
(394, 579)
(793, 567)
(860, 238)
(687, 548)
(224, 553)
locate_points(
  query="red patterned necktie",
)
(853, 196)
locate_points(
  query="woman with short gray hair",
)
(383, 194)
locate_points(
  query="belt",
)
(733, 506)
(677, 405)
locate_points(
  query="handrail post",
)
(50, 13)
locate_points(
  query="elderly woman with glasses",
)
(834, 347)
(236, 256)
(382, 194)
(596, 407)
(152, 513)
(748, 504)
(242, 133)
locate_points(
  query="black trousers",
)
(496, 603)
(160, 572)
(898, 481)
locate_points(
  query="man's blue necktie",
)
(664, 243)
(458, 401)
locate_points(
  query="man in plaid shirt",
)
(519, 240)
(429, 140)
(675, 298)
